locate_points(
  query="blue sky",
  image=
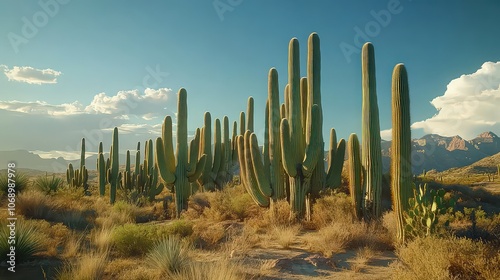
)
(71, 69)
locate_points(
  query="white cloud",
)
(469, 106)
(386, 134)
(149, 105)
(42, 108)
(30, 75)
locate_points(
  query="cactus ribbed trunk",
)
(182, 187)
(355, 184)
(401, 177)
(371, 150)
(275, 167)
(114, 175)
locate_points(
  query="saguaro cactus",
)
(371, 150)
(101, 171)
(401, 177)
(186, 167)
(354, 168)
(114, 176)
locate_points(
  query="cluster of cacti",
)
(424, 210)
(78, 177)
(298, 142)
(183, 167)
(144, 180)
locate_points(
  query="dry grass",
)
(451, 258)
(88, 267)
(36, 205)
(73, 245)
(363, 256)
(208, 235)
(337, 237)
(102, 238)
(224, 269)
(285, 236)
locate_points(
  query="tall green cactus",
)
(401, 172)
(354, 170)
(371, 150)
(114, 176)
(185, 166)
(300, 152)
(207, 180)
(101, 171)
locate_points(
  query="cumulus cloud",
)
(149, 105)
(386, 134)
(30, 75)
(469, 106)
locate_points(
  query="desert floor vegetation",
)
(67, 234)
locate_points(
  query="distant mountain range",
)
(440, 153)
(430, 152)
(29, 160)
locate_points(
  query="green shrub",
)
(133, 239)
(21, 182)
(27, 241)
(181, 228)
(48, 184)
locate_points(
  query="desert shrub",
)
(452, 258)
(133, 239)
(21, 182)
(169, 255)
(136, 239)
(332, 207)
(181, 228)
(207, 234)
(35, 205)
(47, 184)
(28, 241)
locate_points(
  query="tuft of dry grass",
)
(224, 269)
(285, 236)
(102, 238)
(89, 266)
(363, 256)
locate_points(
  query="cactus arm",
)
(250, 114)
(163, 165)
(258, 168)
(286, 150)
